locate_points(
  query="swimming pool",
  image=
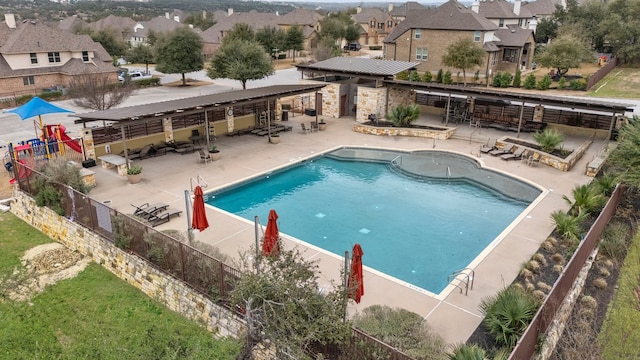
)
(412, 225)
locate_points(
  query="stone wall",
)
(555, 162)
(430, 133)
(173, 293)
(399, 96)
(371, 101)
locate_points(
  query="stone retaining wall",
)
(173, 293)
(555, 162)
(430, 133)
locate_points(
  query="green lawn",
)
(93, 316)
(620, 337)
(622, 82)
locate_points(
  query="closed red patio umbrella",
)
(199, 219)
(355, 284)
(271, 235)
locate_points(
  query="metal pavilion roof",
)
(360, 66)
(197, 103)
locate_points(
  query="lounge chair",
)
(489, 146)
(147, 210)
(516, 155)
(505, 150)
(147, 151)
(314, 126)
(163, 216)
(305, 129)
(204, 156)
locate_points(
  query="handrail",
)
(197, 182)
(468, 279)
(396, 158)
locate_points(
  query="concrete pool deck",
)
(451, 314)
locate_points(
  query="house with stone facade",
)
(504, 13)
(34, 57)
(400, 12)
(543, 9)
(424, 36)
(158, 25)
(119, 24)
(375, 24)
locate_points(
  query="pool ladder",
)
(463, 279)
(198, 181)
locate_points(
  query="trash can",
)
(285, 115)
(310, 112)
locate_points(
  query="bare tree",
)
(97, 91)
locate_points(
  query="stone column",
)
(88, 144)
(167, 126)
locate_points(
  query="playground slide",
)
(73, 144)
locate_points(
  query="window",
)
(28, 80)
(417, 33)
(34, 58)
(476, 36)
(510, 55)
(389, 24)
(494, 59)
(421, 54)
(501, 23)
(54, 57)
(520, 22)
(380, 25)
(85, 56)
(373, 24)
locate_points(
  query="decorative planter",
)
(322, 126)
(134, 179)
(214, 155)
(275, 139)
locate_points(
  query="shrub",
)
(562, 83)
(507, 314)
(51, 95)
(530, 82)
(402, 329)
(557, 258)
(600, 283)
(439, 76)
(558, 268)
(606, 183)
(539, 258)
(447, 80)
(587, 199)
(544, 83)
(134, 170)
(548, 139)
(403, 116)
(604, 272)
(614, 241)
(543, 286)
(23, 99)
(476, 77)
(534, 266)
(48, 195)
(517, 78)
(147, 82)
(569, 227)
(427, 77)
(467, 352)
(414, 76)
(578, 84)
(403, 75)
(502, 79)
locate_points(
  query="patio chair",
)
(533, 160)
(163, 216)
(305, 129)
(314, 126)
(489, 146)
(516, 155)
(505, 150)
(147, 210)
(204, 156)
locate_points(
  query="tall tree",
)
(141, 54)
(272, 39)
(564, 53)
(240, 60)
(622, 29)
(179, 52)
(463, 54)
(110, 41)
(240, 31)
(98, 91)
(294, 40)
(625, 158)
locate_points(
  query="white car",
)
(134, 75)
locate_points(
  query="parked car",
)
(134, 75)
(354, 46)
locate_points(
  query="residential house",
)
(34, 57)
(158, 25)
(212, 37)
(72, 23)
(503, 13)
(121, 25)
(543, 9)
(375, 24)
(425, 35)
(400, 12)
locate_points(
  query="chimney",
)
(10, 20)
(516, 7)
(176, 18)
(204, 14)
(533, 24)
(358, 9)
(167, 15)
(277, 13)
(230, 12)
(475, 6)
(190, 26)
(564, 4)
(390, 7)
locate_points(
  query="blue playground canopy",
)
(37, 107)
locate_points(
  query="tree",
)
(240, 31)
(402, 115)
(179, 52)
(294, 40)
(564, 53)
(141, 54)
(240, 60)
(621, 29)
(463, 54)
(625, 158)
(272, 39)
(203, 21)
(98, 91)
(110, 41)
(282, 303)
(546, 30)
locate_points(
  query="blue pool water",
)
(416, 231)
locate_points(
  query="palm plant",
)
(587, 199)
(467, 352)
(568, 226)
(548, 139)
(402, 115)
(507, 314)
(606, 183)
